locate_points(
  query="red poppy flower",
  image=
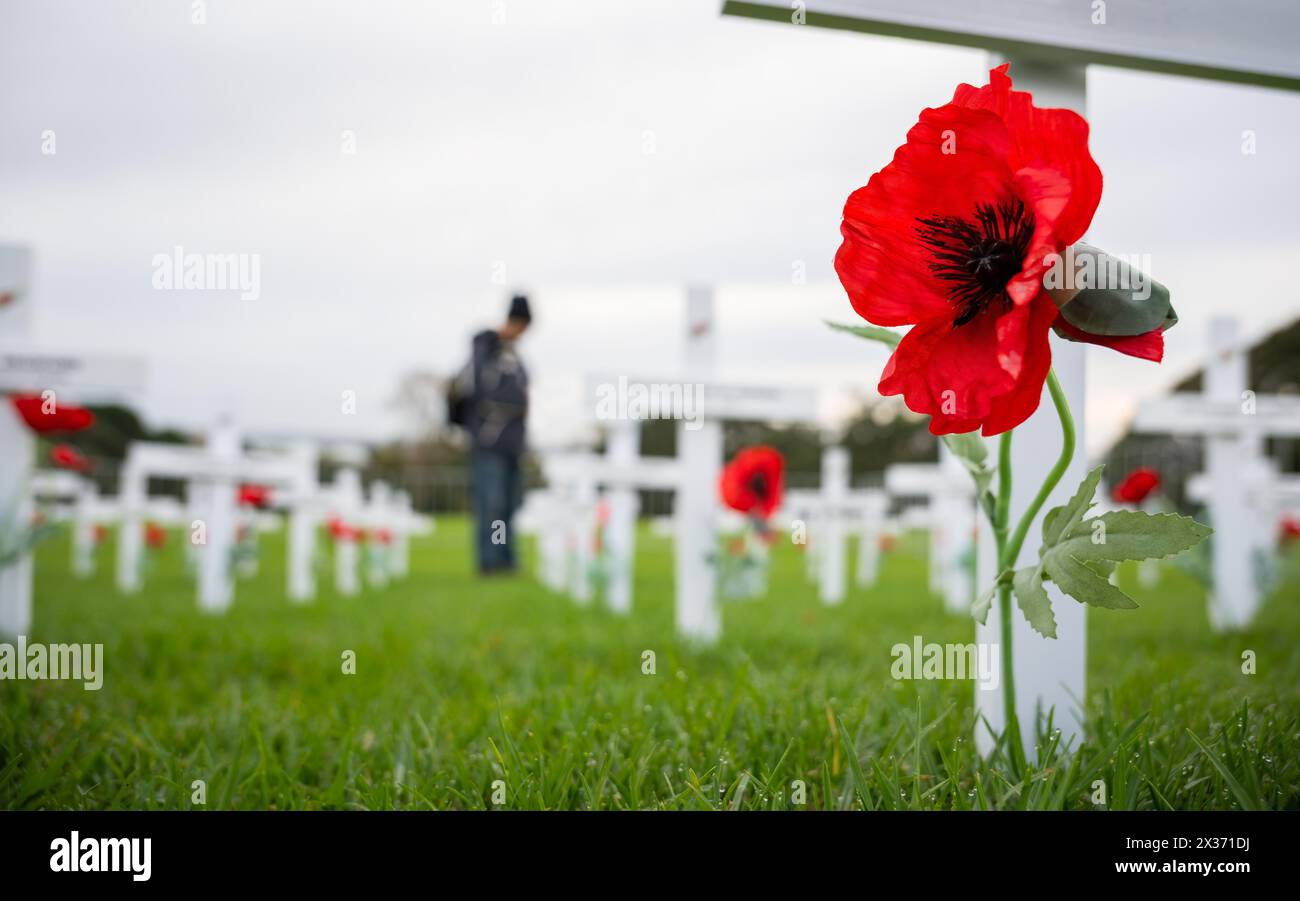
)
(753, 481)
(341, 531)
(43, 417)
(155, 536)
(1136, 486)
(953, 237)
(67, 457)
(100, 534)
(1289, 530)
(254, 496)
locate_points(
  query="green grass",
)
(461, 682)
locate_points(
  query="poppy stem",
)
(1001, 517)
(1009, 548)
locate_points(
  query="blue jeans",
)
(496, 489)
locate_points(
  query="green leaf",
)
(25, 541)
(870, 332)
(1059, 520)
(1080, 555)
(1131, 535)
(1033, 601)
(1103, 306)
(1083, 583)
(970, 448)
(980, 609)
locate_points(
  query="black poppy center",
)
(758, 485)
(979, 256)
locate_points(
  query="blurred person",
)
(490, 399)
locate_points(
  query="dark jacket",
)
(500, 397)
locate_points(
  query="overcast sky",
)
(602, 153)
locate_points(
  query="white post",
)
(955, 528)
(84, 522)
(873, 516)
(1049, 673)
(131, 490)
(1235, 596)
(699, 447)
(834, 490)
(19, 450)
(584, 537)
(401, 552)
(215, 589)
(301, 576)
(347, 484)
(379, 516)
(624, 439)
(551, 543)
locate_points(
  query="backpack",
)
(460, 396)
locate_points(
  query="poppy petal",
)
(1147, 346)
(954, 159)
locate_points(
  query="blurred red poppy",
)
(155, 536)
(341, 531)
(1137, 486)
(1289, 530)
(44, 416)
(254, 496)
(67, 457)
(954, 237)
(754, 481)
(100, 534)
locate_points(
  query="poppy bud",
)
(1106, 301)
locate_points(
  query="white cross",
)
(830, 515)
(345, 502)
(1234, 422)
(545, 515)
(576, 478)
(950, 522)
(70, 377)
(213, 472)
(699, 461)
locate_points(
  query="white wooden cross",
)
(576, 478)
(346, 503)
(830, 515)
(213, 473)
(60, 377)
(1267, 492)
(387, 522)
(1051, 43)
(545, 515)
(1234, 422)
(406, 522)
(86, 512)
(950, 522)
(700, 459)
